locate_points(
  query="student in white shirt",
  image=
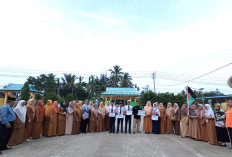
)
(128, 107)
(112, 109)
(120, 111)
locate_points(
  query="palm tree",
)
(68, 81)
(116, 75)
(126, 80)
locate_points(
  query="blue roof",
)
(119, 91)
(215, 97)
(18, 87)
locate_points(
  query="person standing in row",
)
(194, 128)
(137, 118)
(120, 115)
(210, 125)
(101, 117)
(112, 111)
(93, 119)
(229, 119)
(47, 107)
(128, 110)
(162, 118)
(176, 118)
(222, 135)
(202, 122)
(17, 136)
(61, 118)
(169, 118)
(69, 120)
(184, 120)
(52, 125)
(85, 116)
(30, 119)
(7, 117)
(38, 121)
(107, 119)
(147, 121)
(155, 118)
(76, 119)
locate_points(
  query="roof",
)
(18, 87)
(215, 97)
(119, 91)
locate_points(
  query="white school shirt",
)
(114, 109)
(122, 110)
(126, 107)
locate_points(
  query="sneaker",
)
(28, 140)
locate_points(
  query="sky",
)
(177, 39)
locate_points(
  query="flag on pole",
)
(190, 96)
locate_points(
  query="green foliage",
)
(69, 98)
(162, 97)
(50, 95)
(25, 94)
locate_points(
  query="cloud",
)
(102, 18)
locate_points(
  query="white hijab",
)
(21, 111)
(209, 112)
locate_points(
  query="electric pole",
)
(153, 77)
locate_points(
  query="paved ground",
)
(105, 144)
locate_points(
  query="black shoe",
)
(125, 132)
(139, 132)
(7, 148)
(129, 132)
(0, 153)
(113, 132)
(117, 132)
(133, 132)
(110, 132)
(121, 131)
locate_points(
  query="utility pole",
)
(153, 77)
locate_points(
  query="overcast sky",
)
(178, 39)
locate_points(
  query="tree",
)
(126, 80)
(116, 75)
(25, 94)
(50, 95)
(68, 83)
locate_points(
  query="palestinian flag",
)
(190, 96)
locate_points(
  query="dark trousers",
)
(120, 120)
(112, 124)
(84, 124)
(5, 134)
(128, 119)
(222, 134)
(230, 134)
(155, 127)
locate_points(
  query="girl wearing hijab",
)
(101, 117)
(52, 127)
(69, 120)
(107, 119)
(38, 122)
(155, 118)
(47, 107)
(93, 119)
(162, 118)
(30, 119)
(17, 136)
(76, 119)
(61, 119)
(176, 115)
(184, 120)
(169, 118)
(210, 125)
(63, 105)
(147, 122)
(194, 128)
(220, 115)
(202, 122)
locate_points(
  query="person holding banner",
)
(155, 118)
(128, 110)
(137, 117)
(120, 115)
(112, 110)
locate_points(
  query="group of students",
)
(29, 121)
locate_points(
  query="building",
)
(14, 90)
(121, 94)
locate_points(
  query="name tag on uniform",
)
(111, 114)
(153, 117)
(141, 112)
(120, 116)
(129, 112)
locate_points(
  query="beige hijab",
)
(101, 109)
(148, 108)
(169, 109)
(107, 105)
